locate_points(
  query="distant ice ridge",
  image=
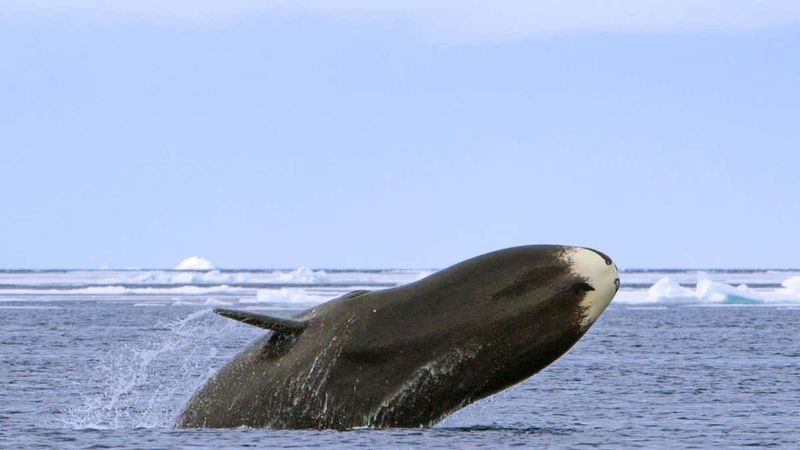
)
(194, 263)
(707, 291)
(299, 276)
(190, 277)
(302, 275)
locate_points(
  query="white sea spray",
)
(130, 385)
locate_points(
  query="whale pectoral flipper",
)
(277, 324)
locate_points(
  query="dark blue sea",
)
(107, 359)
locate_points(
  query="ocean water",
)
(107, 358)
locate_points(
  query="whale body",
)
(410, 355)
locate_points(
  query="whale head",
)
(569, 287)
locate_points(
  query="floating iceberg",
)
(666, 290)
(789, 291)
(195, 263)
(707, 291)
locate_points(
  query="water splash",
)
(144, 384)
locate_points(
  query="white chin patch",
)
(599, 274)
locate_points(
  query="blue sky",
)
(411, 134)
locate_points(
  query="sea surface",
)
(686, 358)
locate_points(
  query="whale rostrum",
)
(410, 355)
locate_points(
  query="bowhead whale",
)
(410, 355)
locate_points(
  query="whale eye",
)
(582, 287)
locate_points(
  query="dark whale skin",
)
(410, 355)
